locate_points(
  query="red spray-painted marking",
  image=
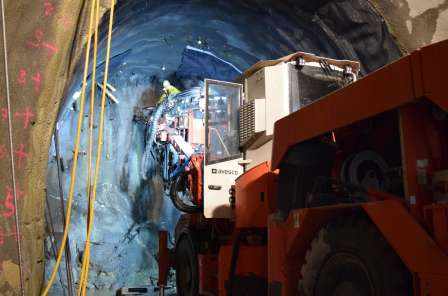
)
(2, 236)
(4, 114)
(9, 202)
(52, 49)
(38, 42)
(37, 81)
(26, 116)
(21, 79)
(49, 8)
(38, 36)
(21, 155)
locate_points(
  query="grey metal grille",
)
(247, 122)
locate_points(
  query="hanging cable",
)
(11, 150)
(68, 258)
(92, 101)
(50, 223)
(91, 123)
(75, 156)
(86, 263)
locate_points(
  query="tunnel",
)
(184, 42)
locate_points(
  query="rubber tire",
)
(350, 257)
(187, 266)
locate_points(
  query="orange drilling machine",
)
(337, 186)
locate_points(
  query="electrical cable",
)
(91, 122)
(68, 258)
(99, 150)
(50, 223)
(11, 150)
(75, 156)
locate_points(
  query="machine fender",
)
(407, 237)
(290, 240)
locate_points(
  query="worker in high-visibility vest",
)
(168, 90)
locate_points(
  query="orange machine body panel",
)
(438, 217)
(416, 228)
(288, 242)
(402, 86)
(419, 252)
(252, 207)
(251, 266)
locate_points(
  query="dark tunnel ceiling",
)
(149, 40)
(243, 32)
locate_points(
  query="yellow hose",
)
(91, 123)
(75, 158)
(86, 262)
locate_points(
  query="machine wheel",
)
(366, 169)
(187, 269)
(350, 257)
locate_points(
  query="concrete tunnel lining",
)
(327, 29)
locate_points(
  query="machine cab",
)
(221, 154)
(233, 124)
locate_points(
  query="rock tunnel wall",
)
(45, 39)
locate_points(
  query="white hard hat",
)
(166, 84)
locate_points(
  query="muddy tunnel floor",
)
(157, 40)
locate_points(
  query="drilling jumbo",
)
(315, 183)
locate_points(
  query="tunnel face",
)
(149, 45)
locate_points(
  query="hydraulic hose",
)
(179, 186)
(150, 139)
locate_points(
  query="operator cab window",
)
(223, 101)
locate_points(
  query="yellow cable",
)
(75, 158)
(91, 122)
(99, 149)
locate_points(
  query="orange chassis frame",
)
(415, 227)
(419, 238)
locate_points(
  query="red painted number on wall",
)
(9, 208)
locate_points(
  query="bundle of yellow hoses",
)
(91, 187)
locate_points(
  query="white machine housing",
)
(268, 94)
(272, 91)
(222, 153)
